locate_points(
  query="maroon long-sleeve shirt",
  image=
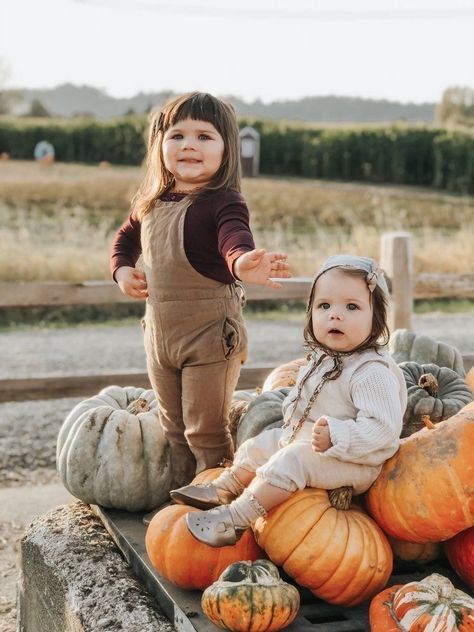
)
(216, 232)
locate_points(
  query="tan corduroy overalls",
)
(195, 342)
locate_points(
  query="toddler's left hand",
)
(258, 266)
(320, 438)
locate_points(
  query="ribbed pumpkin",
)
(460, 554)
(407, 346)
(250, 597)
(185, 561)
(207, 476)
(111, 450)
(430, 604)
(425, 492)
(284, 375)
(340, 554)
(263, 413)
(435, 391)
(419, 552)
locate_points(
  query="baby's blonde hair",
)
(198, 106)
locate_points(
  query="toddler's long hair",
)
(198, 106)
(379, 335)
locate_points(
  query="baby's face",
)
(342, 311)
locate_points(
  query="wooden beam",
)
(101, 292)
(396, 261)
(444, 285)
(55, 387)
(295, 289)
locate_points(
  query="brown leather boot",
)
(182, 464)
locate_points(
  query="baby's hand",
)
(320, 438)
(132, 282)
(258, 266)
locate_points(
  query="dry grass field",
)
(57, 222)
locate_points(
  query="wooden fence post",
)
(396, 261)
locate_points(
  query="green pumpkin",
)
(435, 391)
(406, 346)
(249, 597)
(111, 450)
(263, 413)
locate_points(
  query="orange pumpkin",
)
(284, 375)
(419, 552)
(470, 378)
(425, 492)
(430, 604)
(340, 554)
(185, 561)
(207, 476)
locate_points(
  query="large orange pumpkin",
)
(341, 555)
(207, 476)
(430, 604)
(425, 492)
(185, 561)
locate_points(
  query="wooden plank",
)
(102, 292)
(396, 261)
(295, 289)
(444, 285)
(55, 387)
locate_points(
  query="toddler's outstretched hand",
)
(320, 438)
(257, 266)
(132, 282)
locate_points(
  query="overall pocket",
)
(234, 337)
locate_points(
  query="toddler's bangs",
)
(199, 107)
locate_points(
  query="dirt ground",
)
(28, 430)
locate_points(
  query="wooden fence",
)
(395, 259)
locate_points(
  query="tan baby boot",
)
(222, 491)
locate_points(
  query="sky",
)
(401, 50)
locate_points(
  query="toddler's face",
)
(342, 311)
(192, 152)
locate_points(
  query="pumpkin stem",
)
(427, 421)
(341, 497)
(139, 405)
(429, 383)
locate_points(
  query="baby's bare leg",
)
(244, 476)
(268, 495)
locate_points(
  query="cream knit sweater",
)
(364, 407)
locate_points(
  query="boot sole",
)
(182, 499)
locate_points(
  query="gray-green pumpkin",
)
(407, 346)
(438, 392)
(263, 413)
(111, 450)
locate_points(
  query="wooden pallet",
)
(183, 607)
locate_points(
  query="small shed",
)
(249, 151)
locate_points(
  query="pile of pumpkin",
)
(111, 451)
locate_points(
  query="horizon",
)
(407, 51)
(223, 96)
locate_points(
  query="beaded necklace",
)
(333, 373)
